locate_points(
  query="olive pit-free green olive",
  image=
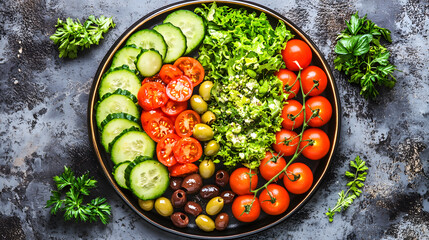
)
(146, 205)
(203, 132)
(163, 206)
(205, 89)
(211, 148)
(198, 104)
(208, 117)
(214, 206)
(205, 223)
(207, 168)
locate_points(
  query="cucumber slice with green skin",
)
(119, 115)
(175, 39)
(115, 103)
(114, 128)
(131, 145)
(148, 39)
(133, 128)
(149, 62)
(119, 174)
(122, 78)
(126, 56)
(136, 161)
(191, 25)
(121, 92)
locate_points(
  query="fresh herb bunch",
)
(363, 58)
(354, 191)
(73, 205)
(71, 36)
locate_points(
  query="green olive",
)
(214, 206)
(203, 132)
(205, 223)
(208, 117)
(211, 148)
(146, 205)
(205, 89)
(198, 104)
(207, 168)
(163, 206)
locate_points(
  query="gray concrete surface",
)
(43, 102)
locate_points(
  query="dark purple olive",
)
(193, 208)
(178, 199)
(179, 219)
(222, 178)
(192, 183)
(221, 221)
(175, 183)
(228, 196)
(209, 191)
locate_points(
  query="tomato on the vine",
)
(292, 116)
(158, 127)
(296, 51)
(164, 149)
(180, 89)
(186, 122)
(290, 82)
(315, 143)
(173, 108)
(286, 142)
(308, 77)
(301, 176)
(191, 68)
(318, 104)
(271, 165)
(188, 150)
(274, 199)
(152, 95)
(182, 169)
(243, 212)
(169, 72)
(242, 179)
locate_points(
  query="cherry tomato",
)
(188, 150)
(321, 144)
(180, 170)
(241, 179)
(286, 142)
(158, 127)
(323, 106)
(152, 95)
(311, 74)
(169, 72)
(164, 149)
(276, 201)
(296, 50)
(147, 115)
(155, 78)
(302, 176)
(239, 207)
(292, 110)
(271, 166)
(180, 89)
(290, 83)
(173, 108)
(185, 123)
(191, 68)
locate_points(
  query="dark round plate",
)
(235, 228)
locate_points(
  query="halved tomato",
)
(147, 115)
(173, 108)
(188, 150)
(152, 95)
(154, 78)
(164, 149)
(180, 89)
(158, 127)
(191, 68)
(180, 170)
(186, 122)
(169, 72)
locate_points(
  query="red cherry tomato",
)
(286, 142)
(173, 108)
(188, 150)
(152, 95)
(296, 51)
(158, 127)
(180, 170)
(169, 72)
(290, 83)
(302, 176)
(311, 74)
(164, 149)
(241, 179)
(147, 115)
(292, 115)
(185, 123)
(155, 78)
(239, 207)
(320, 147)
(276, 201)
(180, 89)
(271, 166)
(191, 68)
(318, 104)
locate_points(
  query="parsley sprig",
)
(73, 205)
(354, 191)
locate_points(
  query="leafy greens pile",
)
(363, 58)
(241, 52)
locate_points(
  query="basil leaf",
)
(362, 45)
(355, 24)
(346, 45)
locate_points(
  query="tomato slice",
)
(188, 150)
(158, 127)
(169, 72)
(164, 149)
(186, 122)
(147, 115)
(173, 108)
(152, 95)
(191, 68)
(155, 78)
(180, 89)
(180, 170)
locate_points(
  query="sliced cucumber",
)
(115, 103)
(119, 174)
(148, 39)
(115, 127)
(119, 115)
(121, 92)
(191, 25)
(149, 62)
(133, 128)
(126, 56)
(122, 78)
(136, 161)
(175, 39)
(130, 145)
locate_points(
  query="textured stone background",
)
(43, 102)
